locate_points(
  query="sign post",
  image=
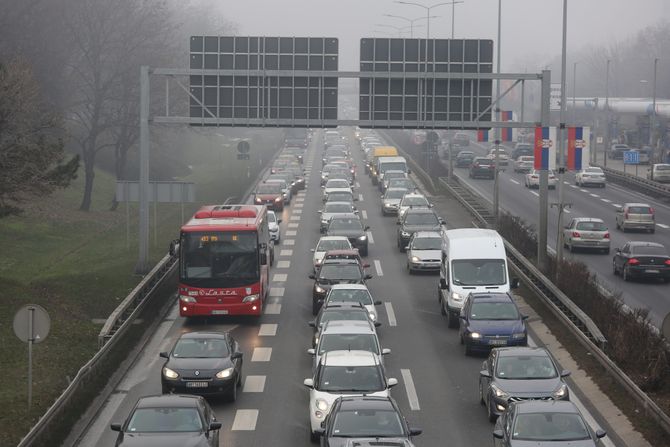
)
(631, 158)
(31, 325)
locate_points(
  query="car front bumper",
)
(212, 386)
(425, 265)
(486, 343)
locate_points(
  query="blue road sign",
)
(631, 157)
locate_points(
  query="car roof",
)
(426, 234)
(645, 244)
(332, 238)
(167, 401)
(419, 211)
(553, 406)
(493, 297)
(345, 216)
(349, 287)
(204, 334)
(350, 252)
(349, 358)
(588, 219)
(636, 204)
(366, 403)
(340, 261)
(414, 194)
(338, 203)
(348, 327)
(530, 351)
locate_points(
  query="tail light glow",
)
(576, 234)
(606, 236)
(633, 261)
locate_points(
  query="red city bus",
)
(225, 255)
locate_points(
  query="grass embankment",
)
(79, 266)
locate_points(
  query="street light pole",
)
(561, 140)
(607, 113)
(652, 123)
(574, 93)
(496, 112)
(411, 21)
(453, 18)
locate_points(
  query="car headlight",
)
(321, 404)
(456, 296)
(224, 374)
(498, 392)
(317, 262)
(278, 199)
(186, 299)
(560, 392)
(415, 259)
(363, 238)
(373, 316)
(250, 298)
(257, 200)
(475, 335)
(404, 233)
(170, 374)
(519, 335)
(319, 289)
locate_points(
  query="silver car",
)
(590, 176)
(424, 251)
(636, 216)
(331, 209)
(587, 232)
(391, 200)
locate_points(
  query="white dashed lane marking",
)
(294, 217)
(534, 193)
(261, 355)
(371, 240)
(288, 252)
(364, 214)
(360, 197)
(291, 232)
(594, 195)
(254, 384)
(289, 242)
(664, 226)
(297, 211)
(293, 225)
(514, 181)
(272, 309)
(412, 397)
(583, 190)
(378, 267)
(606, 200)
(617, 205)
(277, 291)
(245, 420)
(358, 185)
(279, 277)
(573, 187)
(390, 314)
(267, 330)
(283, 264)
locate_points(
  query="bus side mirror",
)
(173, 247)
(264, 259)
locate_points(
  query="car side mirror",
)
(392, 382)
(368, 276)
(312, 250)
(600, 433)
(165, 355)
(415, 431)
(278, 220)
(430, 205)
(320, 431)
(115, 427)
(311, 276)
(386, 351)
(485, 373)
(406, 247)
(397, 222)
(367, 227)
(319, 212)
(236, 355)
(524, 317)
(309, 383)
(355, 199)
(311, 323)
(311, 351)
(214, 426)
(462, 317)
(515, 283)
(498, 434)
(264, 259)
(565, 373)
(365, 266)
(377, 303)
(409, 171)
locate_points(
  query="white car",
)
(590, 176)
(424, 252)
(273, 227)
(340, 374)
(341, 187)
(327, 243)
(533, 179)
(412, 200)
(352, 294)
(503, 157)
(332, 209)
(524, 163)
(328, 191)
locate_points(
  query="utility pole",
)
(574, 93)
(496, 113)
(142, 265)
(652, 123)
(545, 115)
(561, 134)
(607, 114)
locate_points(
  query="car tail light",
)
(625, 215)
(606, 236)
(633, 261)
(667, 262)
(576, 234)
(651, 211)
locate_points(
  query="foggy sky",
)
(531, 29)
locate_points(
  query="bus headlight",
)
(186, 299)
(250, 298)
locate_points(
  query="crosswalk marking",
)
(254, 384)
(279, 277)
(283, 264)
(245, 420)
(261, 354)
(272, 309)
(267, 330)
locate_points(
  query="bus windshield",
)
(219, 259)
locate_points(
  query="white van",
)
(390, 164)
(473, 260)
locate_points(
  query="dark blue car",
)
(490, 320)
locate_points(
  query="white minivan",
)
(390, 164)
(473, 260)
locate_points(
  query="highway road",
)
(587, 202)
(438, 383)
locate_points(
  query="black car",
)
(464, 159)
(350, 226)
(522, 149)
(335, 271)
(203, 363)
(482, 167)
(417, 219)
(519, 373)
(169, 421)
(365, 419)
(637, 259)
(541, 423)
(339, 311)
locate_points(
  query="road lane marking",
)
(371, 240)
(289, 242)
(279, 277)
(261, 355)
(390, 313)
(594, 195)
(536, 194)
(267, 330)
(364, 214)
(663, 226)
(360, 197)
(583, 190)
(283, 264)
(254, 384)
(606, 200)
(573, 186)
(298, 206)
(297, 211)
(277, 291)
(358, 185)
(567, 210)
(245, 420)
(378, 267)
(293, 225)
(294, 217)
(514, 181)
(288, 252)
(616, 205)
(412, 397)
(272, 309)
(291, 232)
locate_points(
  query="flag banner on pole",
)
(483, 135)
(506, 134)
(578, 148)
(545, 148)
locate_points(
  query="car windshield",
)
(401, 183)
(550, 427)
(334, 314)
(593, 170)
(525, 367)
(348, 342)
(337, 183)
(338, 208)
(415, 201)
(639, 210)
(340, 197)
(350, 296)
(493, 311)
(421, 219)
(478, 272)
(395, 194)
(393, 166)
(591, 226)
(339, 271)
(652, 250)
(427, 243)
(268, 188)
(272, 218)
(662, 168)
(165, 420)
(483, 161)
(333, 244)
(392, 175)
(345, 224)
(353, 379)
(465, 155)
(201, 348)
(367, 423)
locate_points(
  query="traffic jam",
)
(228, 256)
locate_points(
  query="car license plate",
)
(220, 312)
(651, 271)
(497, 342)
(197, 384)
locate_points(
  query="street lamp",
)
(652, 123)
(399, 29)
(561, 141)
(427, 8)
(411, 21)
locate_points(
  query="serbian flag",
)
(578, 148)
(506, 115)
(483, 135)
(545, 152)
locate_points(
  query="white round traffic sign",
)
(32, 323)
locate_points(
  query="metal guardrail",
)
(586, 332)
(644, 185)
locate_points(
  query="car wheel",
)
(315, 308)
(232, 394)
(239, 378)
(617, 225)
(570, 248)
(313, 437)
(364, 251)
(652, 231)
(481, 394)
(602, 185)
(492, 416)
(165, 390)
(625, 274)
(409, 269)
(468, 351)
(453, 321)
(443, 311)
